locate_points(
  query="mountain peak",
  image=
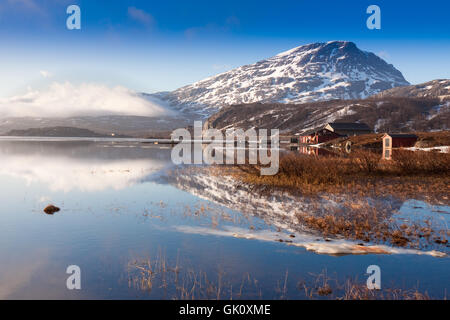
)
(311, 72)
(318, 46)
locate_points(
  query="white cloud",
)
(140, 16)
(27, 6)
(87, 99)
(45, 74)
(221, 66)
(384, 55)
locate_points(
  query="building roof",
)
(401, 135)
(313, 131)
(309, 132)
(354, 126)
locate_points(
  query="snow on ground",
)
(309, 242)
(444, 149)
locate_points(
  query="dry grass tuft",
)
(321, 286)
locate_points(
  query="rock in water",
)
(51, 209)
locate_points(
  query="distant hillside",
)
(56, 132)
(381, 114)
(133, 126)
(438, 89)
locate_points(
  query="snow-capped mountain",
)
(318, 71)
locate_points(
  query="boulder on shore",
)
(51, 209)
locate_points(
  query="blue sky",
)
(162, 45)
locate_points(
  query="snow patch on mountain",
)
(439, 89)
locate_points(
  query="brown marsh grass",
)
(323, 286)
(418, 175)
(410, 175)
(360, 220)
(178, 282)
(182, 282)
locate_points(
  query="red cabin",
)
(399, 140)
(396, 141)
(318, 136)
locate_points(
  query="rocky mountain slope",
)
(381, 114)
(439, 89)
(318, 71)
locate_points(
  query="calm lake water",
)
(125, 203)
